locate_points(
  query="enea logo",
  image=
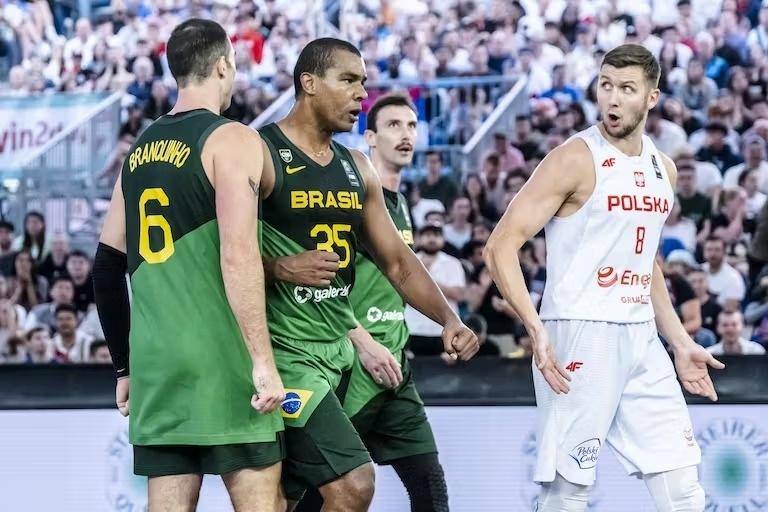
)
(734, 463)
(302, 294)
(294, 402)
(608, 276)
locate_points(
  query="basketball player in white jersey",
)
(602, 374)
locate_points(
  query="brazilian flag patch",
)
(294, 402)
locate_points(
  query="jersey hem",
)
(204, 439)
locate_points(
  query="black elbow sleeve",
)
(111, 292)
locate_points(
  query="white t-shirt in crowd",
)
(748, 348)
(684, 231)
(727, 283)
(457, 238)
(446, 271)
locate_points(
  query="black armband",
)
(111, 292)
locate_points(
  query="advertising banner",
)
(75, 460)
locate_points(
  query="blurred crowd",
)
(712, 120)
(47, 310)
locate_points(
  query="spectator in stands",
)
(754, 155)
(710, 309)
(474, 190)
(7, 254)
(484, 299)
(99, 353)
(693, 204)
(715, 148)
(448, 273)
(724, 280)
(758, 36)
(493, 181)
(79, 269)
(538, 77)
(54, 264)
(678, 231)
(677, 266)
(436, 185)
(458, 231)
(730, 327)
(9, 326)
(729, 223)
(560, 91)
(33, 239)
(666, 135)
(27, 288)
(756, 313)
(141, 86)
(159, 102)
(62, 292)
(38, 347)
(524, 139)
(715, 66)
(70, 343)
(509, 156)
(755, 199)
(698, 91)
(709, 179)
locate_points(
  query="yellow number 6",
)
(157, 221)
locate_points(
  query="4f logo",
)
(574, 365)
(609, 162)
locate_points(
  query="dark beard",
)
(625, 131)
(431, 251)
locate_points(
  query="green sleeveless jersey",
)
(190, 370)
(378, 307)
(311, 207)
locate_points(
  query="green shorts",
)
(164, 460)
(321, 442)
(391, 422)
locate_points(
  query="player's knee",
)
(560, 495)
(356, 487)
(677, 490)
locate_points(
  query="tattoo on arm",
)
(405, 275)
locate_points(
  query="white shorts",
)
(623, 390)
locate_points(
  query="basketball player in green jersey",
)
(381, 398)
(204, 389)
(318, 195)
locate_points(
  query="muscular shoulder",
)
(365, 167)
(568, 165)
(230, 136)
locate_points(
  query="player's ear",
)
(370, 138)
(308, 83)
(221, 66)
(653, 98)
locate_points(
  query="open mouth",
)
(354, 114)
(613, 118)
(404, 148)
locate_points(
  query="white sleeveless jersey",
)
(600, 258)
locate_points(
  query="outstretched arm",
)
(404, 270)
